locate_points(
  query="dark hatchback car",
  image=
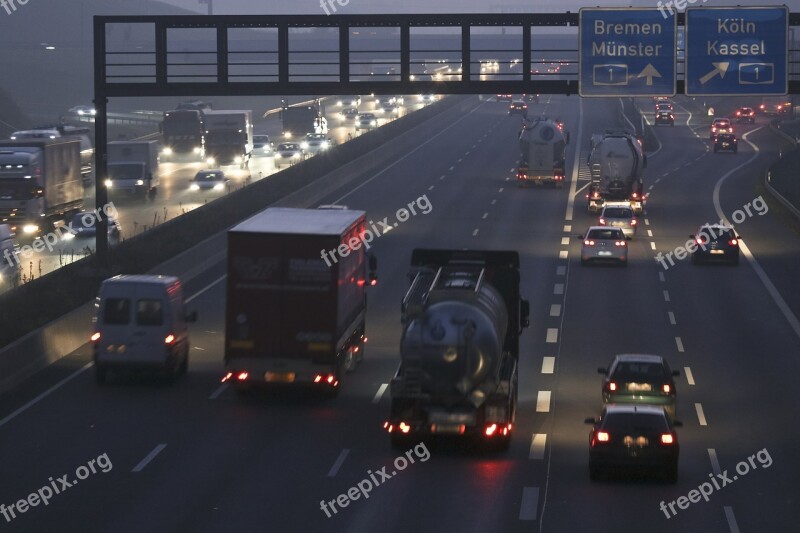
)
(518, 107)
(726, 142)
(716, 243)
(633, 437)
(665, 117)
(745, 114)
(640, 379)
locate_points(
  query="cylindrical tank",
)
(617, 162)
(542, 145)
(457, 340)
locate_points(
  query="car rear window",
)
(117, 311)
(607, 234)
(635, 422)
(149, 313)
(617, 212)
(638, 372)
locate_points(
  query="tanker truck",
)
(459, 350)
(617, 164)
(542, 145)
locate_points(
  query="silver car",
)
(619, 216)
(602, 243)
(366, 121)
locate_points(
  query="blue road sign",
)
(626, 52)
(737, 51)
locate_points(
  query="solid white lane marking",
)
(712, 456)
(149, 457)
(552, 335)
(530, 503)
(689, 375)
(380, 392)
(217, 393)
(563, 254)
(543, 401)
(561, 271)
(558, 288)
(339, 461)
(555, 310)
(701, 417)
(671, 318)
(576, 164)
(732, 525)
(564, 241)
(538, 442)
(548, 364)
(679, 343)
(204, 289)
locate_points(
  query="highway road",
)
(198, 457)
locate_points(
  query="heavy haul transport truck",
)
(617, 164)
(132, 169)
(542, 147)
(459, 351)
(40, 183)
(297, 297)
(183, 134)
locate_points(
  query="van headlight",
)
(108, 184)
(219, 186)
(194, 187)
(324, 145)
(167, 151)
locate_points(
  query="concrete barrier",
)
(34, 351)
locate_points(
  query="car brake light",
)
(405, 428)
(602, 221)
(588, 243)
(666, 438)
(666, 388)
(612, 386)
(620, 243)
(169, 339)
(490, 430)
(227, 376)
(699, 240)
(95, 336)
(634, 195)
(602, 436)
(241, 376)
(633, 222)
(733, 242)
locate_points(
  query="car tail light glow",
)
(602, 221)
(620, 243)
(612, 386)
(733, 242)
(602, 436)
(95, 336)
(491, 430)
(588, 242)
(666, 438)
(405, 428)
(633, 222)
(226, 377)
(241, 376)
(169, 339)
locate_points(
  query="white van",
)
(9, 261)
(141, 323)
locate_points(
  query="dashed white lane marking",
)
(555, 310)
(652, 245)
(563, 254)
(149, 457)
(485, 215)
(500, 189)
(701, 417)
(494, 201)
(442, 177)
(558, 288)
(548, 365)
(380, 392)
(430, 188)
(661, 277)
(712, 456)
(338, 464)
(649, 233)
(666, 296)
(689, 375)
(561, 271)
(564, 241)
(679, 343)
(530, 503)
(538, 442)
(552, 335)
(451, 168)
(460, 160)
(217, 393)
(732, 525)
(647, 222)
(650, 188)
(475, 232)
(671, 316)
(543, 401)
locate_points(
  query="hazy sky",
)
(254, 7)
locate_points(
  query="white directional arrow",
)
(649, 72)
(719, 68)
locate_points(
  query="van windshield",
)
(149, 313)
(117, 311)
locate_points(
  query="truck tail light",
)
(490, 430)
(666, 388)
(169, 339)
(242, 376)
(95, 336)
(403, 427)
(667, 438)
(226, 377)
(733, 242)
(330, 379)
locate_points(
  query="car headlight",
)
(339, 102)
(68, 236)
(237, 160)
(80, 112)
(194, 187)
(287, 134)
(210, 160)
(219, 186)
(139, 182)
(93, 111)
(304, 145)
(324, 145)
(108, 184)
(278, 155)
(167, 151)
(30, 228)
(196, 150)
(296, 156)
(373, 122)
